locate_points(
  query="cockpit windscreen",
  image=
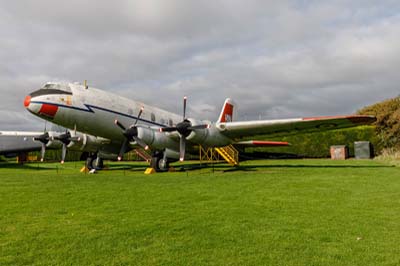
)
(53, 88)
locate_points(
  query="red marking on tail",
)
(227, 112)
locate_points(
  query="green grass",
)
(277, 212)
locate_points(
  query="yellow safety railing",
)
(209, 155)
(228, 153)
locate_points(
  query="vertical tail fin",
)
(227, 111)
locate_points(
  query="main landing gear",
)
(94, 162)
(159, 162)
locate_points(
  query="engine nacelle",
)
(156, 139)
(208, 137)
(172, 154)
(87, 142)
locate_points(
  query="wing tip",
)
(355, 119)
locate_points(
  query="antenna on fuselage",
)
(85, 84)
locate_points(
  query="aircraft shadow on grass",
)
(25, 166)
(221, 167)
(224, 168)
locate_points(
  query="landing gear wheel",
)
(94, 162)
(163, 165)
(158, 162)
(98, 163)
(89, 162)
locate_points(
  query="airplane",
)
(14, 143)
(127, 123)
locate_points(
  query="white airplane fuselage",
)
(125, 123)
(94, 111)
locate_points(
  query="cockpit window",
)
(53, 88)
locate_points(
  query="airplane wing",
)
(291, 126)
(12, 142)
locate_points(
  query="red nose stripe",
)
(48, 110)
(27, 101)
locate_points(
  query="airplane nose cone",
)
(27, 101)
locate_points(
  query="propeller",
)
(65, 139)
(130, 134)
(44, 139)
(184, 129)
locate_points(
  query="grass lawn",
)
(275, 212)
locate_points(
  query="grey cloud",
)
(275, 58)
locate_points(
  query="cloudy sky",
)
(276, 59)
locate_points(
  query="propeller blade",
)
(44, 139)
(138, 116)
(130, 134)
(63, 152)
(141, 143)
(184, 107)
(182, 148)
(119, 125)
(42, 152)
(123, 149)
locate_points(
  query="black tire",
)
(163, 165)
(98, 163)
(89, 163)
(158, 163)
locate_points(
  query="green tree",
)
(387, 124)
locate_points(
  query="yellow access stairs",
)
(230, 154)
(227, 153)
(143, 154)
